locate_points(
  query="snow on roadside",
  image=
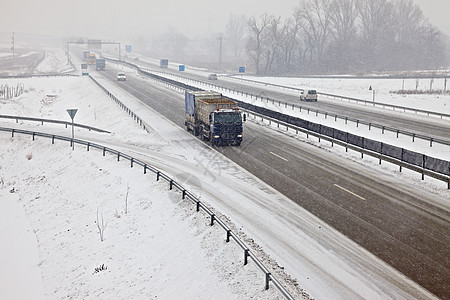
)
(145, 243)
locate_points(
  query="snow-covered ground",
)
(160, 248)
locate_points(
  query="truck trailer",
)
(213, 118)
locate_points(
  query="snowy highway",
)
(389, 218)
(325, 216)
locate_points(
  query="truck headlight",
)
(217, 136)
(239, 135)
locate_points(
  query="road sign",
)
(72, 113)
(241, 69)
(181, 67)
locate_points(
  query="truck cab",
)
(226, 127)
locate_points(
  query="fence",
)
(326, 114)
(404, 158)
(356, 100)
(42, 121)
(268, 277)
(430, 166)
(336, 116)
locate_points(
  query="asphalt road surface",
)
(394, 221)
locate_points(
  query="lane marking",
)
(350, 192)
(278, 156)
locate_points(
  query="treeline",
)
(342, 36)
(320, 37)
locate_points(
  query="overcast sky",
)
(102, 18)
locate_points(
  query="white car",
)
(308, 95)
(121, 76)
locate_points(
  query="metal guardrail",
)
(38, 75)
(172, 183)
(42, 121)
(326, 114)
(336, 116)
(380, 156)
(366, 102)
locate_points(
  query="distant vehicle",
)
(85, 54)
(212, 76)
(164, 63)
(91, 59)
(213, 118)
(121, 76)
(100, 64)
(308, 95)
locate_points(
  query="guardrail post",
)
(326, 115)
(267, 280)
(104, 150)
(431, 142)
(145, 168)
(170, 184)
(33, 136)
(157, 176)
(382, 129)
(88, 146)
(370, 125)
(212, 220)
(245, 256)
(118, 156)
(132, 159)
(413, 136)
(197, 205)
(53, 139)
(228, 235)
(12, 133)
(183, 194)
(357, 123)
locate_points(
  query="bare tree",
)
(235, 33)
(377, 32)
(316, 26)
(256, 42)
(344, 30)
(101, 226)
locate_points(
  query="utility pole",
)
(12, 48)
(220, 53)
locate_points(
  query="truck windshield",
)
(232, 117)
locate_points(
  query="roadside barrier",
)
(185, 194)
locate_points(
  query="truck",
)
(164, 63)
(213, 118)
(91, 59)
(100, 64)
(85, 54)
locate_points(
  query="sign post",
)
(72, 113)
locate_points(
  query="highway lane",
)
(392, 220)
(431, 127)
